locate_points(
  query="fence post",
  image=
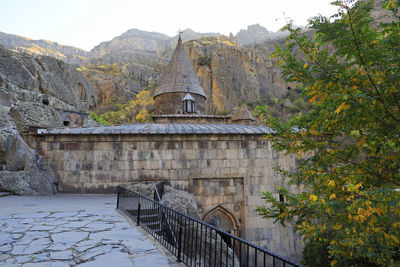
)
(180, 243)
(138, 213)
(118, 189)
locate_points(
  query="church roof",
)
(179, 76)
(162, 128)
(242, 114)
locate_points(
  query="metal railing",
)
(166, 228)
(197, 243)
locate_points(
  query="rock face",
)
(26, 114)
(149, 48)
(119, 81)
(25, 78)
(256, 34)
(239, 74)
(133, 45)
(230, 74)
(22, 170)
(38, 92)
(69, 54)
(173, 198)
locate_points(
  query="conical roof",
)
(242, 114)
(179, 76)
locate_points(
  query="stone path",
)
(72, 230)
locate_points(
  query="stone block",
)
(176, 164)
(166, 154)
(226, 163)
(101, 177)
(193, 164)
(103, 146)
(72, 146)
(70, 156)
(166, 164)
(190, 154)
(183, 174)
(173, 174)
(100, 155)
(70, 177)
(210, 154)
(89, 156)
(221, 154)
(84, 177)
(222, 145)
(232, 153)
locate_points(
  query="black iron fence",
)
(193, 242)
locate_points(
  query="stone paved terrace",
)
(73, 230)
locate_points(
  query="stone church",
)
(225, 162)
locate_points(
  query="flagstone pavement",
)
(73, 230)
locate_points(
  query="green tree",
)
(139, 110)
(348, 145)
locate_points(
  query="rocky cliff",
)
(133, 45)
(119, 82)
(26, 78)
(149, 48)
(22, 170)
(256, 34)
(231, 74)
(69, 54)
(35, 92)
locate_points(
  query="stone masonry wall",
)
(220, 170)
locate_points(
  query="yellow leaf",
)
(312, 100)
(305, 66)
(331, 183)
(362, 141)
(342, 106)
(332, 196)
(313, 197)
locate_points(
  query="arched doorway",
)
(223, 219)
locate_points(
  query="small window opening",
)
(188, 104)
(66, 123)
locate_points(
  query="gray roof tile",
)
(162, 128)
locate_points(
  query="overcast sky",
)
(86, 23)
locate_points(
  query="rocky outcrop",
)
(25, 78)
(133, 45)
(69, 54)
(37, 92)
(173, 198)
(26, 114)
(230, 74)
(256, 34)
(119, 81)
(22, 170)
(149, 48)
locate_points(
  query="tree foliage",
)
(348, 145)
(139, 110)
